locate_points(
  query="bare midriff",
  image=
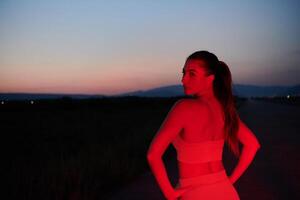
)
(187, 170)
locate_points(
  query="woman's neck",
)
(207, 95)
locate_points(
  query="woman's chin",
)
(186, 92)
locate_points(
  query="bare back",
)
(204, 122)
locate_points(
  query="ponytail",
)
(222, 86)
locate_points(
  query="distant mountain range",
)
(167, 91)
(238, 90)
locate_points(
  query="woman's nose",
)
(183, 79)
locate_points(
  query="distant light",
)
(2, 102)
(288, 96)
(31, 102)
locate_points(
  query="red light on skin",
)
(187, 90)
(182, 116)
(195, 81)
(185, 117)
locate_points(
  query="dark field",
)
(77, 149)
(92, 149)
(287, 100)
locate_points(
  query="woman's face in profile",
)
(194, 79)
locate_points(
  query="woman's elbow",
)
(152, 156)
(253, 145)
(149, 156)
(256, 144)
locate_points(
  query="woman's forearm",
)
(159, 171)
(245, 159)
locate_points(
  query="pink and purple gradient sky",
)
(101, 47)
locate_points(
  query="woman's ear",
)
(211, 77)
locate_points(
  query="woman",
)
(198, 128)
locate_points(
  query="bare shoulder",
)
(183, 104)
(188, 105)
(180, 106)
(193, 103)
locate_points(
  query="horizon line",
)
(137, 90)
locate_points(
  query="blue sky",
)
(118, 46)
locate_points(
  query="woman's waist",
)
(205, 179)
(187, 170)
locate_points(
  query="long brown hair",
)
(222, 86)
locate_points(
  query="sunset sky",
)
(110, 47)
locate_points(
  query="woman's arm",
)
(250, 147)
(167, 132)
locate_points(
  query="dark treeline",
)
(78, 149)
(289, 99)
